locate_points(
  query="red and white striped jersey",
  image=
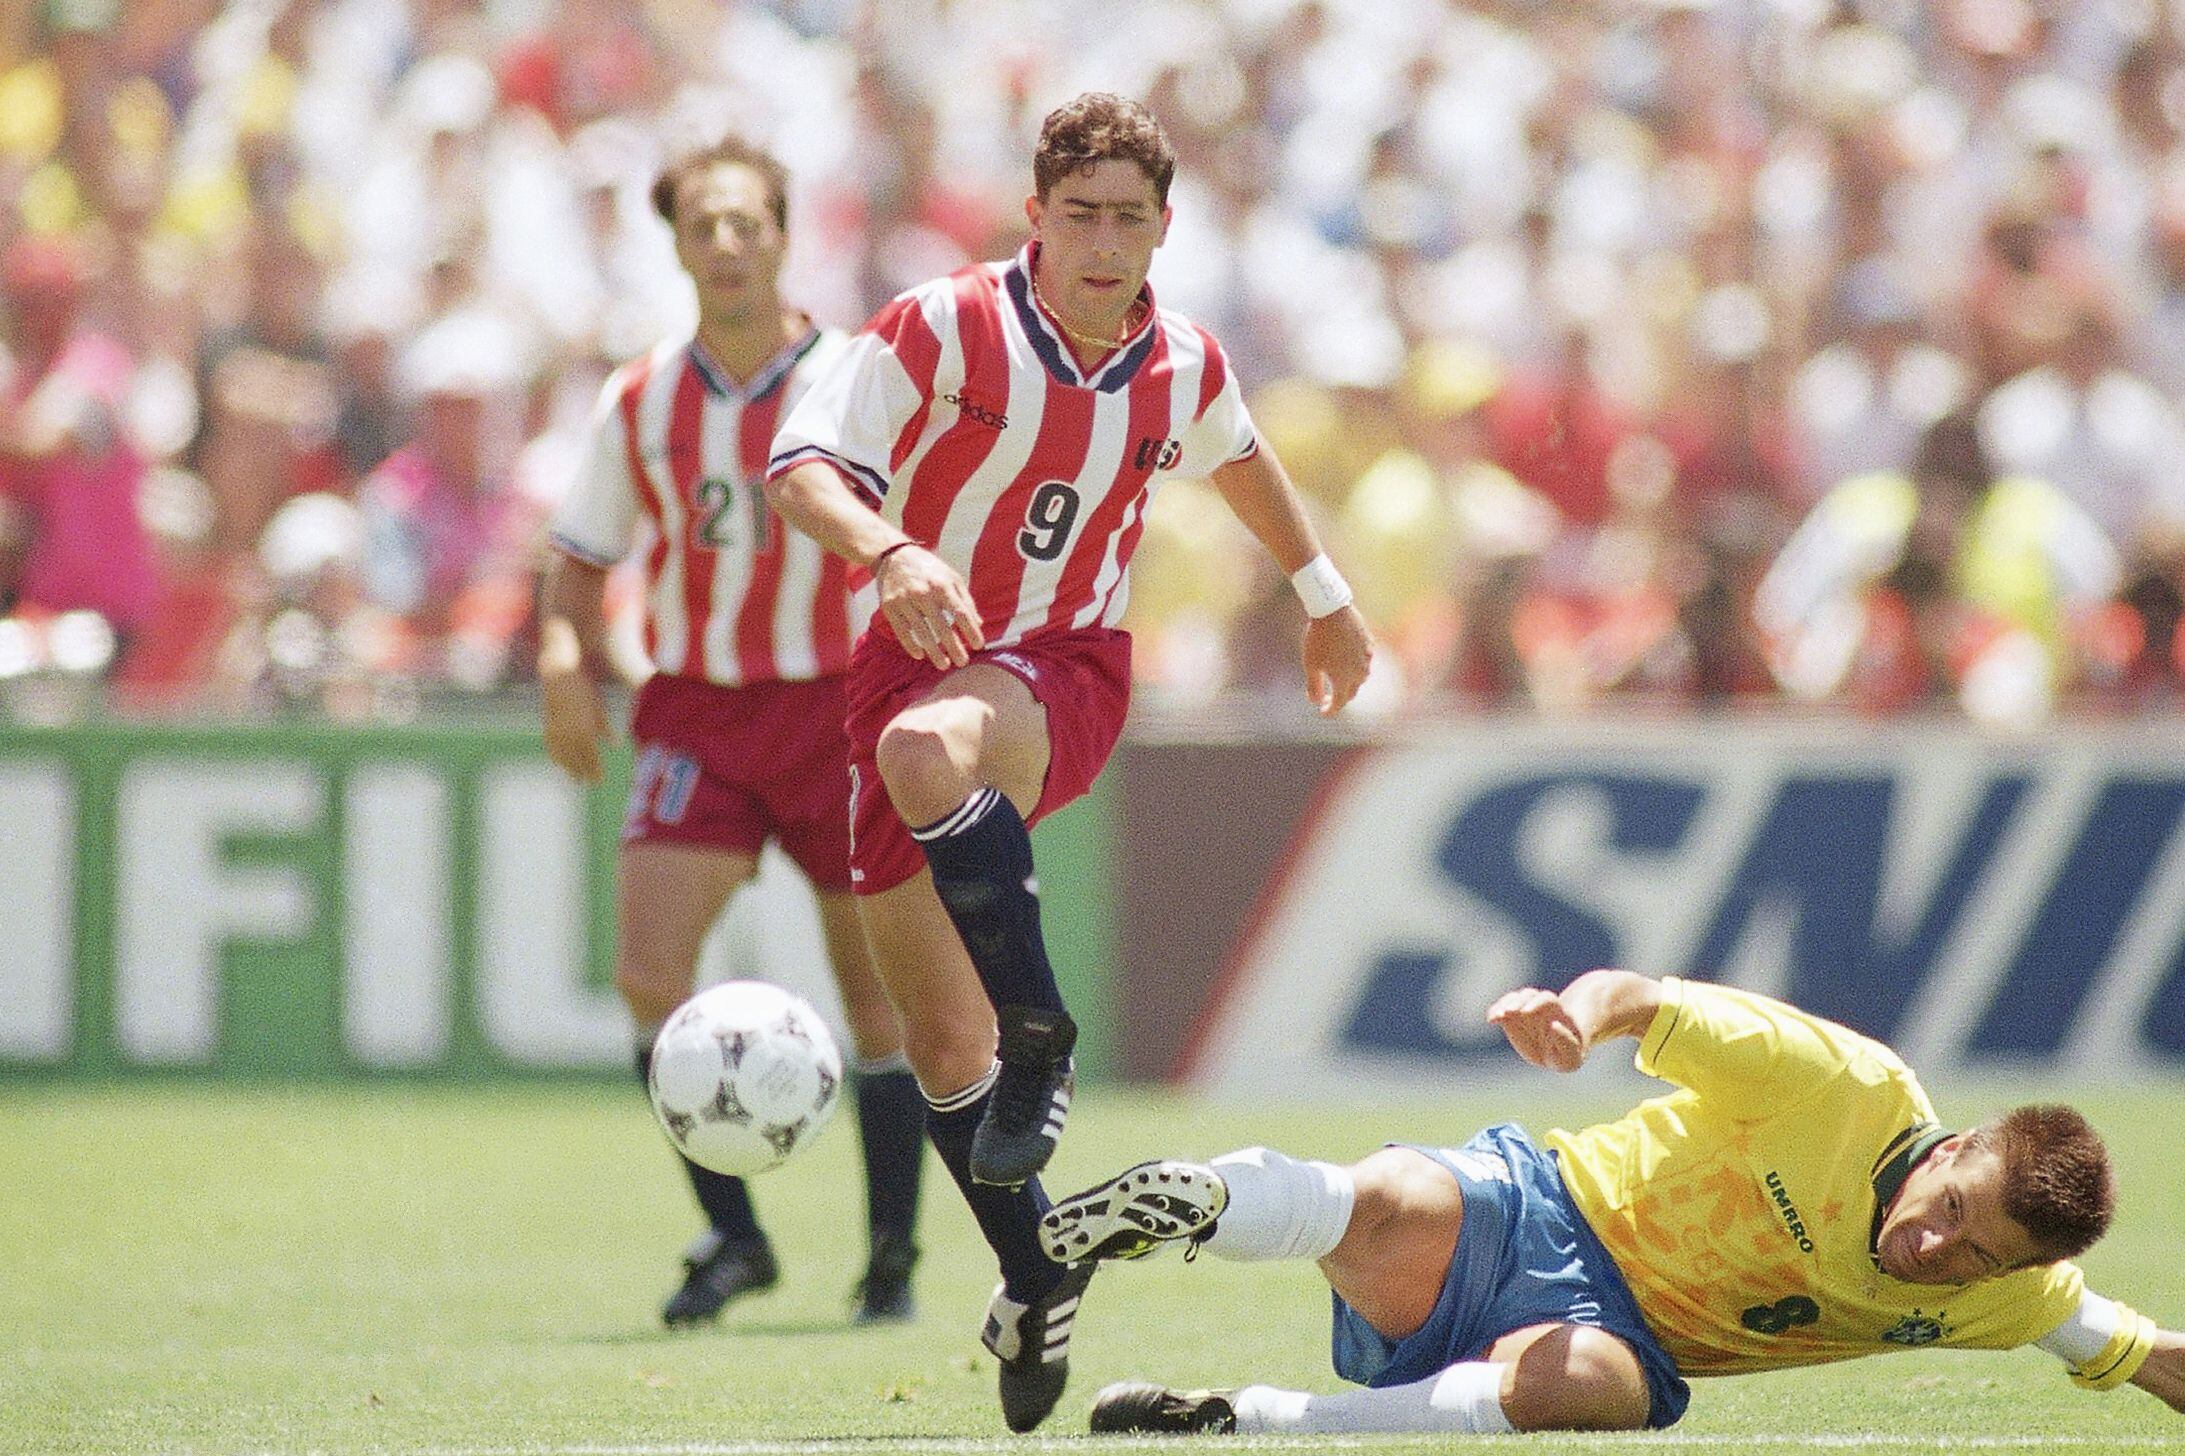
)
(732, 595)
(960, 415)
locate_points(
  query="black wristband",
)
(875, 567)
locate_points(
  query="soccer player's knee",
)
(1577, 1379)
(948, 1055)
(1393, 1183)
(916, 764)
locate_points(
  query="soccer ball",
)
(744, 1074)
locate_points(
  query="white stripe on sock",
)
(964, 816)
(964, 1097)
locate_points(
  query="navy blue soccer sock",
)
(981, 856)
(1008, 1217)
(891, 1129)
(725, 1200)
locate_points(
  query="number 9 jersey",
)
(961, 415)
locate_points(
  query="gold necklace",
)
(1129, 327)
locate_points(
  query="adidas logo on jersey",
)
(973, 410)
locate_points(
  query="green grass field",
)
(188, 1269)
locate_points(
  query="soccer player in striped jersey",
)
(986, 448)
(1792, 1201)
(738, 732)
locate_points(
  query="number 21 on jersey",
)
(720, 526)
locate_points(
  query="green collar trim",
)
(1904, 1153)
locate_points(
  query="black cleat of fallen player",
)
(1032, 1342)
(1031, 1099)
(717, 1270)
(883, 1295)
(1139, 1406)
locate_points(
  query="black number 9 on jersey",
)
(1047, 521)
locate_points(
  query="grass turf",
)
(428, 1269)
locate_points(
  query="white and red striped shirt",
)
(961, 415)
(732, 595)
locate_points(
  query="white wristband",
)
(1320, 587)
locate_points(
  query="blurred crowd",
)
(1754, 351)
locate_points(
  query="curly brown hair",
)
(2057, 1182)
(1097, 127)
(723, 151)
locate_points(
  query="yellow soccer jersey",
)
(1740, 1208)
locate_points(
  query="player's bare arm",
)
(1338, 650)
(2163, 1374)
(923, 599)
(1556, 1029)
(572, 655)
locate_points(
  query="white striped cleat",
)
(1032, 1342)
(1134, 1213)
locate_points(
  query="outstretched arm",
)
(2162, 1375)
(1338, 650)
(1556, 1029)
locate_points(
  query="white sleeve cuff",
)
(2086, 1333)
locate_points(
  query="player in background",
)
(739, 730)
(986, 448)
(1793, 1202)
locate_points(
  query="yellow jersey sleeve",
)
(1739, 1050)
(2014, 1309)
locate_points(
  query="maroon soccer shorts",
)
(1081, 678)
(729, 768)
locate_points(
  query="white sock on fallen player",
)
(1280, 1207)
(1464, 1398)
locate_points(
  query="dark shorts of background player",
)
(1525, 1256)
(728, 768)
(1081, 678)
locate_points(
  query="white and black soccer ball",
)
(744, 1074)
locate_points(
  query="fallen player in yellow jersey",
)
(1793, 1201)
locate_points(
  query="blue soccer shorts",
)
(1525, 1256)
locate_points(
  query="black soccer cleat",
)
(1031, 1099)
(1139, 1406)
(1032, 1342)
(1135, 1213)
(883, 1295)
(717, 1270)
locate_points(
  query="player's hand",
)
(1541, 1028)
(1338, 655)
(928, 607)
(576, 723)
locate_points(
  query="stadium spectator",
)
(1943, 582)
(71, 533)
(267, 390)
(1794, 1201)
(2087, 423)
(739, 729)
(447, 550)
(1861, 402)
(992, 686)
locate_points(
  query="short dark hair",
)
(1097, 127)
(723, 151)
(1950, 450)
(2057, 1183)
